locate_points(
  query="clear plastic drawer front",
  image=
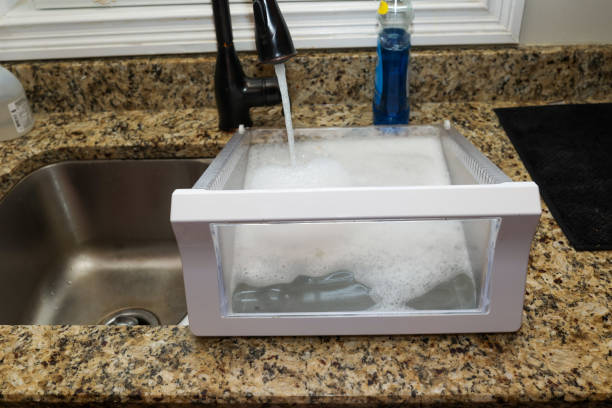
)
(355, 267)
(371, 231)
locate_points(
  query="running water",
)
(282, 84)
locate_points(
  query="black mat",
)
(567, 150)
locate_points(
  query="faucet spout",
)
(236, 93)
(272, 37)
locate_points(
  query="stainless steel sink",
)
(91, 243)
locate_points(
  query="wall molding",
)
(28, 33)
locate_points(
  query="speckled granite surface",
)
(437, 75)
(162, 107)
(562, 354)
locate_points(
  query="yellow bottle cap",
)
(383, 8)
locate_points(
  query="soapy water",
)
(337, 291)
(284, 90)
(398, 261)
(318, 172)
(349, 162)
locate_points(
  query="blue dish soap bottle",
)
(391, 83)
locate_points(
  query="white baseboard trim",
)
(27, 33)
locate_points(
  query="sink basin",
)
(91, 243)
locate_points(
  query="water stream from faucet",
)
(282, 84)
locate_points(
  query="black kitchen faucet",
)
(236, 93)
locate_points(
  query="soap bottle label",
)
(21, 114)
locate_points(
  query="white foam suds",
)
(397, 260)
(357, 161)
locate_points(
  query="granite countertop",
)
(562, 353)
(163, 107)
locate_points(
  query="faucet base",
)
(235, 97)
